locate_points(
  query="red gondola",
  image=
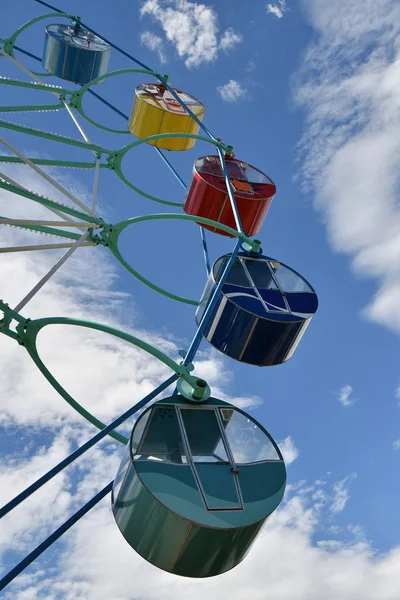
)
(208, 195)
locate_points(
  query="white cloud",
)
(17, 533)
(341, 493)
(96, 562)
(231, 91)
(277, 9)
(155, 43)
(229, 39)
(397, 393)
(348, 86)
(396, 445)
(289, 450)
(192, 28)
(344, 396)
(214, 369)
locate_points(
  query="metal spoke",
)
(36, 78)
(23, 222)
(53, 270)
(48, 178)
(41, 247)
(21, 187)
(71, 114)
(95, 184)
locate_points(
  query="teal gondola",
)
(195, 485)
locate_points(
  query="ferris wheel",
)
(199, 476)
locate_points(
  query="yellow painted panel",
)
(156, 111)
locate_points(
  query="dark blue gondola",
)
(74, 53)
(262, 311)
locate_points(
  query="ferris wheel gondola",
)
(156, 111)
(75, 54)
(208, 195)
(262, 311)
(195, 485)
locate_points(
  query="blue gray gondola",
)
(74, 54)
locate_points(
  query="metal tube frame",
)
(54, 537)
(160, 153)
(51, 272)
(164, 81)
(189, 354)
(89, 444)
(207, 313)
(11, 249)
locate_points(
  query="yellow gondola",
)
(157, 111)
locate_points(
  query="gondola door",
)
(211, 458)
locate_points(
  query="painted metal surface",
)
(74, 54)
(262, 312)
(228, 496)
(195, 485)
(208, 196)
(156, 111)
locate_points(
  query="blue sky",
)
(307, 92)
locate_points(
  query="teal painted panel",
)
(175, 487)
(172, 543)
(209, 552)
(218, 483)
(123, 468)
(153, 531)
(263, 486)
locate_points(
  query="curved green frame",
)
(9, 42)
(115, 157)
(112, 238)
(48, 203)
(27, 332)
(77, 96)
(117, 160)
(39, 87)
